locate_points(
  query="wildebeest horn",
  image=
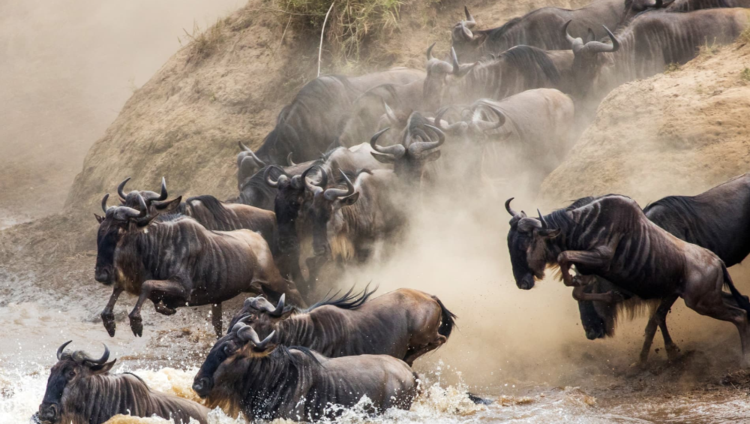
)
(429, 51)
(314, 189)
(121, 189)
(104, 202)
(511, 211)
(101, 360)
(248, 334)
(456, 66)
(257, 160)
(62, 348)
(575, 43)
(334, 193)
(466, 31)
(150, 196)
(396, 151)
(389, 113)
(541, 219)
(279, 307)
(419, 147)
(450, 127)
(481, 125)
(470, 22)
(269, 180)
(289, 159)
(599, 47)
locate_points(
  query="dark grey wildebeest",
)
(174, 261)
(610, 237)
(81, 390)
(267, 381)
(715, 220)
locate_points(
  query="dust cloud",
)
(66, 70)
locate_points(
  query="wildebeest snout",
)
(526, 283)
(103, 275)
(202, 386)
(48, 413)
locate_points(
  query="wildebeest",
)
(694, 219)
(415, 149)
(404, 323)
(511, 72)
(346, 223)
(265, 380)
(538, 28)
(650, 43)
(81, 390)
(612, 238)
(533, 127)
(174, 261)
(209, 211)
(309, 125)
(255, 192)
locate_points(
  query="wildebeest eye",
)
(228, 349)
(70, 374)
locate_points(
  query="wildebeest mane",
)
(525, 58)
(502, 29)
(214, 206)
(348, 300)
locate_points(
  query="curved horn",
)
(466, 31)
(334, 193)
(269, 180)
(396, 151)
(599, 47)
(456, 65)
(541, 218)
(481, 125)
(429, 51)
(243, 147)
(512, 213)
(104, 202)
(246, 333)
(574, 42)
(279, 307)
(289, 159)
(101, 360)
(62, 348)
(264, 343)
(252, 154)
(419, 147)
(163, 195)
(314, 189)
(121, 189)
(470, 22)
(450, 127)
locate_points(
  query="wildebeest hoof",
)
(163, 309)
(136, 324)
(109, 323)
(673, 353)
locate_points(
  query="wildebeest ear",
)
(103, 368)
(350, 200)
(168, 206)
(99, 219)
(548, 233)
(432, 156)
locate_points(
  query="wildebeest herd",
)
(366, 149)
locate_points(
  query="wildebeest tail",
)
(742, 301)
(448, 320)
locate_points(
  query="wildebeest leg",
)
(108, 316)
(598, 258)
(659, 318)
(608, 297)
(165, 288)
(216, 312)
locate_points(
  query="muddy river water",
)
(535, 368)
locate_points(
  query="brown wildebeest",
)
(174, 261)
(267, 381)
(612, 238)
(81, 390)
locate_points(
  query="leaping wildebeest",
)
(650, 43)
(174, 261)
(81, 390)
(715, 220)
(610, 237)
(266, 381)
(309, 125)
(538, 28)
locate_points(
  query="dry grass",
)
(351, 22)
(745, 75)
(745, 36)
(709, 49)
(204, 43)
(672, 67)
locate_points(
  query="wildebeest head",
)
(326, 202)
(71, 369)
(156, 202)
(588, 62)
(247, 165)
(635, 7)
(527, 246)
(440, 74)
(415, 149)
(462, 36)
(223, 363)
(479, 121)
(290, 193)
(112, 226)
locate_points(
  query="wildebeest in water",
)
(81, 390)
(265, 380)
(716, 220)
(174, 261)
(612, 238)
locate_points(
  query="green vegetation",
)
(745, 75)
(672, 67)
(745, 36)
(349, 24)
